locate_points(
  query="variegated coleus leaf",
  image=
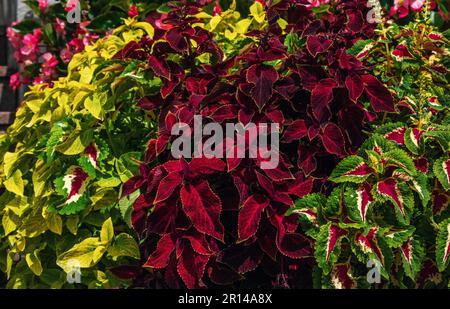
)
(394, 132)
(341, 277)
(441, 135)
(369, 246)
(357, 201)
(378, 144)
(333, 206)
(399, 158)
(361, 48)
(413, 139)
(443, 245)
(418, 183)
(441, 169)
(72, 187)
(395, 238)
(399, 195)
(93, 157)
(412, 254)
(307, 208)
(328, 246)
(351, 169)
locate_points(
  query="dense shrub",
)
(218, 220)
(63, 162)
(392, 201)
(88, 177)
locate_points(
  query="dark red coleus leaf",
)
(317, 44)
(160, 258)
(250, 216)
(333, 139)
(354, 86)
(262, 77)
(203, 207)
(295, 131)
(380, 97)
(321, 96)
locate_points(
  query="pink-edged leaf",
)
(363, 200)
(369, 244)
(401, 52)
(250, 216)
(333, 139)
(327, 247)
(301, 188)
(341, 277)
(191, 267)
(168, 186)
(161, 256)
(380, 97)
(317, 44)
(295, 131)
(396, 135)
(389, 188)
(203, 207)
(262, 77)
(354, 86)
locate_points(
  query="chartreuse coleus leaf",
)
(88, 252)
(412, 140)
(351, 169)
(398, 194)
(328, 246)
(332, 208)
(412, 253)
(441, 169)
(443, 245)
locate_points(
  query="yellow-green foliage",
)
(40, 229)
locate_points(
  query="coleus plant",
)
(383, 210)
(392, 202)
(63, 162)
(209, 221)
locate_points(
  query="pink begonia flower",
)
(60, 27)
(217, 9)
(402, 7)
(133, 12)
(31, 42)
(49, 64)
(14, 37)
(14, 81)
(71, 4)
(43, 4)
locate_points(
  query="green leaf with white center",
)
(328, 246)
(441, 169)
(351, 169)
(443, 245)
(412, 254)
(357, 202)
(395, 238)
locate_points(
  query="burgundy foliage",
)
(208, 222)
